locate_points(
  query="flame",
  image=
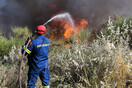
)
(78, 25)
(64, 25)
(52, 36)
(83, 22)
(81, 25)
(68, 30)
(63, 28)
(67, 45)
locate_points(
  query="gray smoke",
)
(98, 10)
(34, 12)
(12, 13)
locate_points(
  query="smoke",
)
(34, 12)
(12, 13)
(96, 11)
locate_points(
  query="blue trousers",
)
(33, 75)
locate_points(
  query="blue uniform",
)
(38, 61)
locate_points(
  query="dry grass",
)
(119, 76)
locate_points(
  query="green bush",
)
(21, 32)
(19, 36)
(5, 46)
(84, 35)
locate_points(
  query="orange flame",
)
(68, 30)
(52, 36)
(79, 25)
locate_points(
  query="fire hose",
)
(20, 83)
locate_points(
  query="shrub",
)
(84, 35)
(122, 28)
(19, 36)
(90, 65)
(20, 32)
(5, 46)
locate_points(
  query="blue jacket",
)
(37, 53)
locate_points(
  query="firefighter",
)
(38, 59)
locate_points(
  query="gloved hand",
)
(28, 40)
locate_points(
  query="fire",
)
(68, 30)
(78, 25)
(65, 26)
(81, 25)
(63, 29)
(52, 36)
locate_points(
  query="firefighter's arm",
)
(29, 48)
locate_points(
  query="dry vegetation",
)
(104, 63)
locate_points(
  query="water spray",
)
(63, 16)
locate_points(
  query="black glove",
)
(27, 40)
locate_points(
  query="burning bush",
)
(62, 28)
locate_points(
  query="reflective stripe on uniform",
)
(45, 86)
(27, 51)
(42, 45)
(24, 47)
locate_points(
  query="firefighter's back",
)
(39, 55)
